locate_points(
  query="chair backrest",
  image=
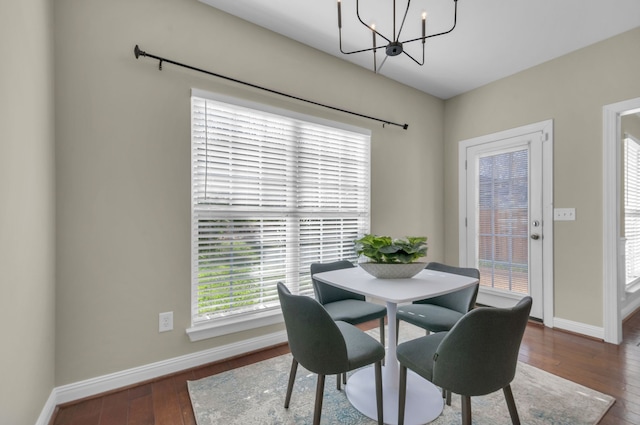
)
(326, 293)
(479, 354)
(461, 301)
(314, 338)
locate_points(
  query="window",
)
(632, 208)
(272, 192)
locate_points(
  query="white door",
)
(504, 218)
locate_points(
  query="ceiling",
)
(492, 39)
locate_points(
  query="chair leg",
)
(378, 367)
(397, 330)
(319, 393)
(511, 404)
(338, 377)
(382, 334)
(446, 394)
(466, 410)
(402, 394)
(292, 378)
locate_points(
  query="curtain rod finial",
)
(138, 52)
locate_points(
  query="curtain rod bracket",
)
(138, 52)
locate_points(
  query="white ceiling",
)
(492, 39)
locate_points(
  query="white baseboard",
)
(47, 410)
(101, 384)
(630, 307)
(580, 328)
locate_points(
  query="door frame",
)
(546, 130)
(612, 291)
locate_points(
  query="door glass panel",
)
(503, 217)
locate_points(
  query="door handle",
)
(535, 236)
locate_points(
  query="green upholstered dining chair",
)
(326, 347)
(440, 313)
(477, 356)
(345, 305)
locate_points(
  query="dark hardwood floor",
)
(611, 369)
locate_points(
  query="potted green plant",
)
(391, 258)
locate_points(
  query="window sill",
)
(229, 325)
(633, 288)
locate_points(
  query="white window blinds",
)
(632, 208)
(503, 217)
(271, 193)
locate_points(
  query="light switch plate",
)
(564, 214)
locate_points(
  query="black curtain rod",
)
(138, 53)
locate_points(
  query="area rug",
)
(255, 394)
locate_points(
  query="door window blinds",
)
(503, 217)
(271, 193)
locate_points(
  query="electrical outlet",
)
(166, 321)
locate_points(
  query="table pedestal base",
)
(424, 400)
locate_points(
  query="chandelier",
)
(392, 45)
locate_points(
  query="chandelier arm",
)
(413, 59)
(382, 64)
(404, 18)
(368, 26)
(362, 50)
(455, 20)
(374, 48)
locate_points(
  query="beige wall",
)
(27, 296)
(571, 90)
(123, 163)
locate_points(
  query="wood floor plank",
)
(212, 369)
(62, 416)
(115, 409)
(141, 390)
(166, 405)
(186, 409)
(141, 409)
(85, 413)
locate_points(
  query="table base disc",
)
(424, 401)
